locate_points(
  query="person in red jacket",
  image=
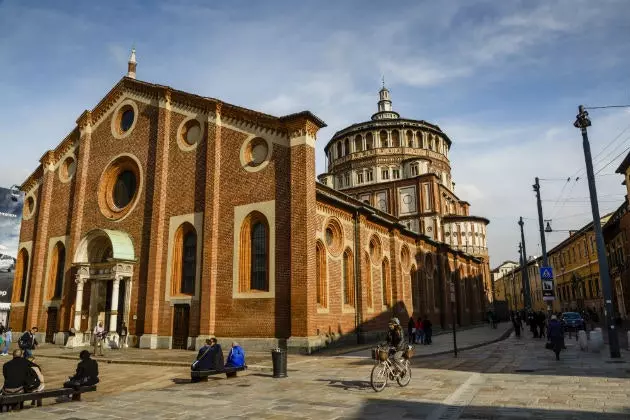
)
(419, 331)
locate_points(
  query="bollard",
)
(279, 359)
(597, 341)
(582, 341)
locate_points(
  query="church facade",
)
(187, 217)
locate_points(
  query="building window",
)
(414, 170)
(367, 273)
(370, 175)
(395, 173)
(124, 189)
(347, 179)
(385, 174)
(409, 138)
(126, 119)
(358, 143)
(369, 141)
(385, 283)
(346, 146)
(339, 181)
(360, 178)
(339, 150)
(119, 187)
(56, 271)
(348, 276)
(321, 275)
(184, 261)
(21, 276)
(254, 254)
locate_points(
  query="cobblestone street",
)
(511, 379)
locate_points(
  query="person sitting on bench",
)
(210, 357)
(87, 372)
(236, 357)
(17, 374)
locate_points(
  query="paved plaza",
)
(510, 379)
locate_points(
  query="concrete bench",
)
(7, 402)
(202, 375)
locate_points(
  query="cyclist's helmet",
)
(395, 321)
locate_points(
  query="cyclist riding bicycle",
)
(395, 341)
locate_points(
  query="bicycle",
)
(388, 369)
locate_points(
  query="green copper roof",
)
(121, 244)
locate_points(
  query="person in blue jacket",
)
(236, 356)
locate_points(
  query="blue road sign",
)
(546, 273)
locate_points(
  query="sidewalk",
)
(442, 344)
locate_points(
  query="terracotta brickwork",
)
(240, 162)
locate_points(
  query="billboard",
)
(11, 203)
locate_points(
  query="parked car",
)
(7, 263)
(573, 321)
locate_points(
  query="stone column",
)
(113, 317)
(78, 303)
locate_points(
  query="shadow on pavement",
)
(335, 383)
(391, 409)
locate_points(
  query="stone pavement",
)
(443, 343)
(511, 379)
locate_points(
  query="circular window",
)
(29, 206)
(119, 187)
(67, 169)
(334, 237)
(126, 118)
(190, 134)
(255, 154)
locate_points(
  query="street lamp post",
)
(525, 278)
(582, 122)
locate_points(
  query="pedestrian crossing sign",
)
(546, 273)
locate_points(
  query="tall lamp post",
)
(582, 122)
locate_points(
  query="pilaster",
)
(40, 246)
(159, 232)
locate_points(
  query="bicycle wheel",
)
(404, 380)
(378, 379)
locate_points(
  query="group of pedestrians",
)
(420, 331)
(540, 327)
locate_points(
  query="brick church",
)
(187, 217)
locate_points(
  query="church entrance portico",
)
(105, 261)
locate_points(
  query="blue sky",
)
(502, 78)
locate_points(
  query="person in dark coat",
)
(516, 321)
(428, 331)
(410, 327)
(17, 374)
(210, 357)
(555, 336)
(86, 374)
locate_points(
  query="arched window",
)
(358, 143)
(385, 283)
(254, 254)
(348, 276)
(383, 136)
(369, 141)
(339, 150)
(184, 262)
(409, 138)
(346, 146)
(321, 275)
(21, 276)
(396, 138)
(56, 271)
(367, 274)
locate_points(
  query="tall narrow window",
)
(367, 273)
(370, 175)
(359, 177)
(56, 271)
(339, 150)
(21, 274)
(395, 173)
(369, 141)
(189, 264)
(321, 275)
(385, 284)
(348, 277)
(254, 254)
(184, 260)
(346, 146)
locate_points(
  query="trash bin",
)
(279, 359)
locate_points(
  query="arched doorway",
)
(105, 261)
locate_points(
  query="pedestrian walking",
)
(8, 338)
(555, 336)
(419, 330)
(516, 321)
(428, 331)
(99, 335)
(411, 326)
(28, 343)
